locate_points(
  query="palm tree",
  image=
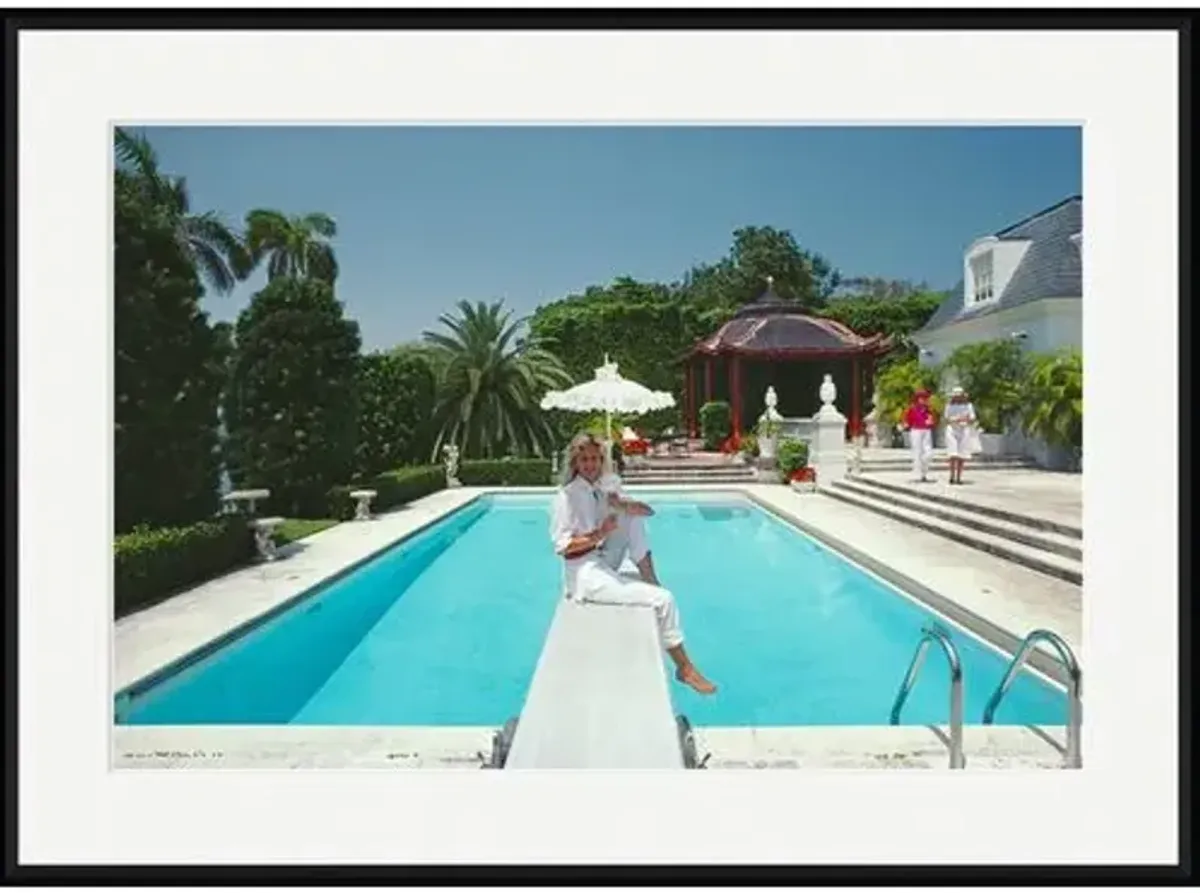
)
(296, 245)
(1054, 400)
(492, 384)
(214, 249)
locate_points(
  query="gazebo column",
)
(708, 382)
(735, 394)
(855, 397)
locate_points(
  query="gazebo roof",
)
(773, 328)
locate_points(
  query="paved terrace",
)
(995, 598)
(1051, 495)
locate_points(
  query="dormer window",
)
(982, 278)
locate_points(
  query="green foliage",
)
(208, 245)
(644, 327)
(392, 489)
(897, 317)
(291, 409)
(758, 252)
(152, 563)
(716, 423)
(896, 384)
(490, 392)
(791, 455)
(169, 361)
(294, 247)
(1054, 399)
(993, 374)
(507, 472)
(750, 446)
(395, 398)
(768, 427)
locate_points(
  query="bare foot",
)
(691, 676)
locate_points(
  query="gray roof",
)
(1051, 268)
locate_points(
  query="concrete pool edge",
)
(839, 748)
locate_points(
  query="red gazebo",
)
(771, 342)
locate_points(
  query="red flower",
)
(803, 475)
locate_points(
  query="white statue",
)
(828, 392)
(450, 461)
(770, 424)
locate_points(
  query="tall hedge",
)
(168, 368)
(396, 393)
(291, 409)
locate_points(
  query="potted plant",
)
(716, 420)
(768, 437)
(751, 447)
(793, 460)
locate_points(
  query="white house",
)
(1024, 282)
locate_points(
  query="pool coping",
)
(973, 623)
(357, 748)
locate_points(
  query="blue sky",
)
(431, 215)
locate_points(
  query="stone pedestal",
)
(828, 450)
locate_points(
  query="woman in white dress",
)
(962, 439)
(583, 517)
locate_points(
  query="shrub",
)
(1054, 395)
(750, 446)
(505, 472)
(993, 373)
(395, 397)
(392, 489)
(291, 407)
(150, 563)
(791, 456)
(715, 422)
(896, 385)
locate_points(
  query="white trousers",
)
(601, 582)
(921, 440)
(628, 539)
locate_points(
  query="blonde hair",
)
(578, 444)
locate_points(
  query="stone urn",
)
(770, 424)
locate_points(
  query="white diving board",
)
(599, 696)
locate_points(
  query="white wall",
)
(1048, 325)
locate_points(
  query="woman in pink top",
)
(919, 421)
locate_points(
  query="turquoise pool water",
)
(446, 628)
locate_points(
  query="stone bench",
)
(599, 696)
(362, 507)
(264, 536)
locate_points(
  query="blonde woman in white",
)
(583, 517)
(962, 436)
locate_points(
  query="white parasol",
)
(609, 393)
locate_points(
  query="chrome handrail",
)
(931, 634)
(1073, 757)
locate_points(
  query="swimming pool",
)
(445, 628)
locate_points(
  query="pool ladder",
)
(929, 635)
(934, 633)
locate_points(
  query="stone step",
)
(1067, 531)
(659, 479)
(942, 463)
(1037, 559)
(1023, 530)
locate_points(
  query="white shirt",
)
(578, 508)
(957, 411)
